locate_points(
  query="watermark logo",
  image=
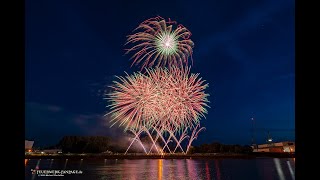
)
(55, 172)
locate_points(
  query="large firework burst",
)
(158, 43)
(167, 98)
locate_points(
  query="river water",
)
(166, 169)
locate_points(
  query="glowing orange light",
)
(160, 169)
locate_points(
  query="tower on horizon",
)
(253, 134)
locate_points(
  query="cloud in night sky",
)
(52, 122)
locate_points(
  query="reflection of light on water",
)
(216, 163)
(25, 162)
(179, 168)
(37, 167)
(65, 164)
(51, 163)
(152, 165)
(81, 161)
(130, 169)
(191, 169)
(132, 172)
(38, 163)
(207, 171)
(160, 169)
(279, 169)
(290, 169)
(171, 169)
(145, 168)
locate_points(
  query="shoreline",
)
(158, 156)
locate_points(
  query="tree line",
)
(217, 147)
(84, 144)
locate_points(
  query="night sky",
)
(243, 49)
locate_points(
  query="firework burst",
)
(159, 43)
(170, 99)
(165, 102)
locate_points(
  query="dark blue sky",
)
(244, 49)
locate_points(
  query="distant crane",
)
(270, 135)
(253, 134)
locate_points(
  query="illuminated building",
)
(286, 146)
(51, 151)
